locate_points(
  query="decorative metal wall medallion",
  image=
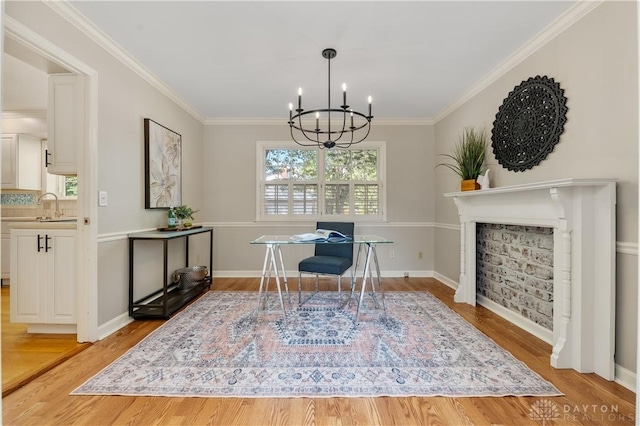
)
(529, 123)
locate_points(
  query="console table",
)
(167, 300)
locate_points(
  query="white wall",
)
(595, 62)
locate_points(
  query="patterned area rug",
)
(218, 347)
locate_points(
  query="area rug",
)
(221, 346)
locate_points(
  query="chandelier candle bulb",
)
(317, 121)
(352, 119)
(369, 105)
(344, 95)
(290, 111)
(300, 98)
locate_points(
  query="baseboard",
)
(625, 378)
(510, 316)
(114, 325)
(527, 325)
(446, 280)
(294, 273)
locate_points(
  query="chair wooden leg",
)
(299, 288)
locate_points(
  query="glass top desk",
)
(273, 256)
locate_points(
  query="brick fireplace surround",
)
(581, 213)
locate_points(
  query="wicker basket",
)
(187, 278)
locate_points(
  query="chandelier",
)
(355, 125)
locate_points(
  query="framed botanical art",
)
(163, 166)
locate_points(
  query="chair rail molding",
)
(582, 215)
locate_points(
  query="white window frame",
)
(263, 146)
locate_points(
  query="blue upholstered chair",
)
(329, 259)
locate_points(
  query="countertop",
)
(42, 225)
(31, 223)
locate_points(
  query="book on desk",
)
(322, 235)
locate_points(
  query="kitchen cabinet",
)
(43, 279)
(65, 120)
(21, 162)
(4, 252)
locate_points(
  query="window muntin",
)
(310, 184)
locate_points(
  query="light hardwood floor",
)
(588, 400)
(26, 356)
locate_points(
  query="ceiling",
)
(247, 59)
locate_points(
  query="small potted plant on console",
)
(184, 215)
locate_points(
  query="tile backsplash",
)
(28, 199)
(23, 204)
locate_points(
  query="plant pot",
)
(469, 185)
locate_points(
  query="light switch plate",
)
(102, 198)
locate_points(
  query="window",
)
(300, 183)
(65, 187)
(69, 186)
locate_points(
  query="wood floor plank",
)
(26, 356)
(46, 400)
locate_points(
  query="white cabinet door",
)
(21, 162)
(65, 122)
(43, 276)
(6, 259)
(28, 298)
(9, 156)
(61, 271)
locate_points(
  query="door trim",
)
(87, 247)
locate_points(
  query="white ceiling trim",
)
(557, 27)
(71, 14)
(283, 121)
(571, 16)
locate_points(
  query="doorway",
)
(36, 47)
(30, 47)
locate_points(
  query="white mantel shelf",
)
(560, 183)
(582, 215)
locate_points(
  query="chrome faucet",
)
(57, 214)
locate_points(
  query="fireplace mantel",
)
(582, 215)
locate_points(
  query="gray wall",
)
(125, 99)
(230, 197)
(595, 61)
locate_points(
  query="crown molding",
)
(554, 29)
(71, 14)
(239, 121)
(17, 114)
(571, 16)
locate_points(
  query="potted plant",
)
(468, 158)
(184, 214)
